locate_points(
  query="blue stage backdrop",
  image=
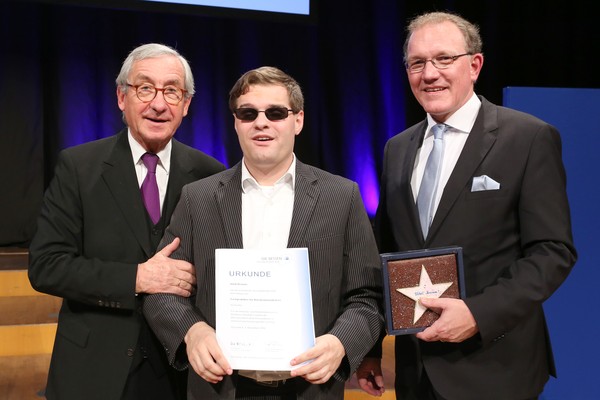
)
(572, 310)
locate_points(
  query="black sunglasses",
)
(273, 113)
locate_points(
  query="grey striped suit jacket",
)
(329, 219)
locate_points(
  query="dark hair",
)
(267, 76)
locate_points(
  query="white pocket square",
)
(484, 182)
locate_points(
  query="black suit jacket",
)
(92, 233)
(329, 219)
(517, 248)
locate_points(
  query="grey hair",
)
(470, 31)
(154, 50)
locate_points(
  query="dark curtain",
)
(59, 62)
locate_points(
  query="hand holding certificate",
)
(263, 307)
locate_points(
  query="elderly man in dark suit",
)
(498, 192)
(313, 209)
(95, 243)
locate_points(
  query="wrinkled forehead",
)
(163, 69)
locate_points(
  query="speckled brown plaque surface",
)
(410, 275)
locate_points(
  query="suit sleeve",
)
(58, 263)
(547, 252)
(360, 323)
(171, 316)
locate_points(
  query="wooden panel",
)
(13, 258)
(360, 395)
(16, 283)
(21, 340)
(24, 377)
(29, 310)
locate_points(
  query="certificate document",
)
(263, 302)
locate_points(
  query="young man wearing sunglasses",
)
(271, 200)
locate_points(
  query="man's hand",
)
(370, 377)
(162, 274)
(456, 323)
(204, 353)
(325, 358)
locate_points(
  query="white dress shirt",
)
(267, 210)
(459, 125)
(266, 220)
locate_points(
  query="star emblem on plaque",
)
(408, 276)
(425, 289)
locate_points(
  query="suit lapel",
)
(305, 198)
(229, 201)
(119, 176)
(408, 167)
(481, 139)
(181, 169)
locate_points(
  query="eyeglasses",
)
(440, 62)
(273, 113)
(146, 92)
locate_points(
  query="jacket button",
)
(130, 352)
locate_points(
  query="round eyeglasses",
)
(440, 62)
(146, 92)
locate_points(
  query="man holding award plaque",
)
(272, 241)
(490, 181)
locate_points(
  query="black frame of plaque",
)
(426, 256)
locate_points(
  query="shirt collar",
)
(289, 177)
(137, 151)
(462, 120)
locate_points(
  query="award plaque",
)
(410, 275)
